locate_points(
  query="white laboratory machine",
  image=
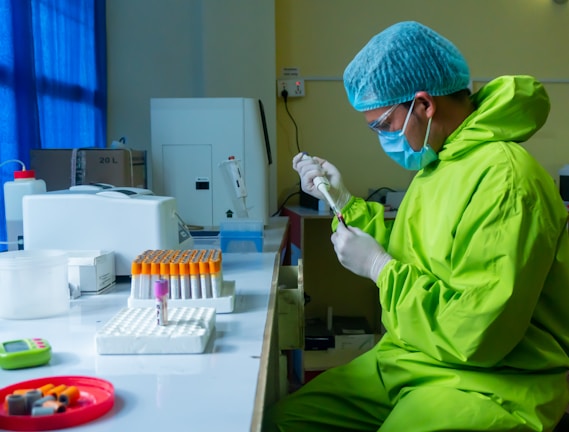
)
(191, 137)
(125, 221)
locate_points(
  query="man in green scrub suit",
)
(473, 274)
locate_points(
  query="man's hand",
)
(359, 252)
(309, 168)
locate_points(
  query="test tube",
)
(135, 270)
(145, 279)
(174, 270)
(161, 294)
(215, 273)
(184, 271)
(154, 270)
(205, 278)
(195, 283)
(164, 267)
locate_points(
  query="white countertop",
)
(212, 391)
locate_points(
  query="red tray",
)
(96, 398)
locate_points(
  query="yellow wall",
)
(497, 37)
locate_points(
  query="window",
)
(52, 79)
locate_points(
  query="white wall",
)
(188, 48)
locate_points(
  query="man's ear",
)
(425, 102)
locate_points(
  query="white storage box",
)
(91, 271)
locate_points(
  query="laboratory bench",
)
(224, 388)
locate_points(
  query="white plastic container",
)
(33, 284)
(25, 183)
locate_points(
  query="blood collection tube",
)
(164, 268)
(161, 294)
(145, 279)
(205, 278)
(184, 275)
(135, 270)
(174, 278)
(195, 283)
(154, 270)
(215, 273)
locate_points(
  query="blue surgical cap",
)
(400, 61)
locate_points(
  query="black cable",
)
(379, 190)
(284, 94)
(284, 203)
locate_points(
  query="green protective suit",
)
(476, 298)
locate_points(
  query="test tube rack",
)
(225, 303)
(135, 331)
(195, 279)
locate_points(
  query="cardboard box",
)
(63, 168)
(352, 333)
(91, 271)
(347, 349)
(290, 307)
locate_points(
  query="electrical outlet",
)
(294, 87)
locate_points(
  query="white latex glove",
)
(359, 252)
(309, 168)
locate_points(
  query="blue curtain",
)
(53, 89)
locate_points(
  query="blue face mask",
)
(395, 144)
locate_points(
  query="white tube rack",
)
(135, 331)
(222, 304)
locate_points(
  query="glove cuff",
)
(379, 261)
(343, 197)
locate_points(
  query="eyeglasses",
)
(378, 124)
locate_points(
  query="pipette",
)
(231, 170)
(323, 185)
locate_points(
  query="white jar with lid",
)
(33, 284)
